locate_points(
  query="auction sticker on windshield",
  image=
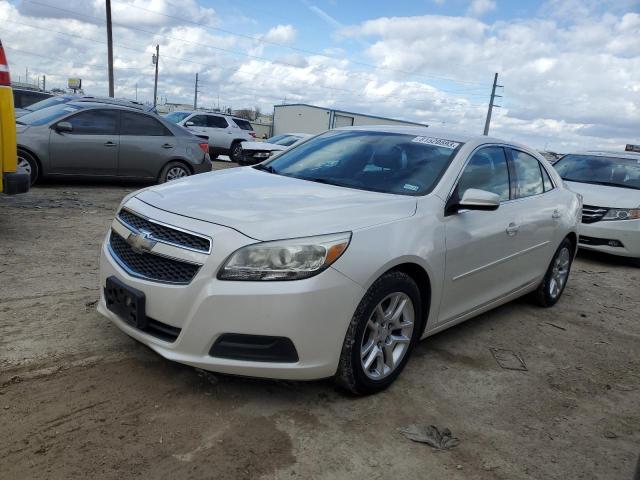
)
(439, 142)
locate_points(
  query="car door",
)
(220, 135)
(539, 211)
(91, 148)
(146, 145)
(480, 245)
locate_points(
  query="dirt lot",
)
(79, 399)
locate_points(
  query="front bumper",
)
(626, 232)
(313, 313)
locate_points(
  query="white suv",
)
(226, 133)
(337, 256)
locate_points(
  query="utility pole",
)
(44, 83)
(110, 48)
(156, 60)
(136, 91)
(195, 95)
(493, 96)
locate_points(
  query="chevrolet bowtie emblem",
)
(141, 242)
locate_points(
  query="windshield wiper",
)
(265, 168)
(606, 184)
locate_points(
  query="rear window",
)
(176, 117)
(24, 98)
(243, 124)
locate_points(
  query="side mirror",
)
(189, 124)
(62, 127)
(473, 199)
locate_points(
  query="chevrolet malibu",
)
(336, 257)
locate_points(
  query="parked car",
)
(256, 152)
(226, 133)
(58, 99)
(335, 257)
(100, 140)
(23, 97)
(609, 183)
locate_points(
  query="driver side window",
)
(487, 170)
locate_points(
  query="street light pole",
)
(110, 48)
(156, 60)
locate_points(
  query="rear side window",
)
(487, 170)
(243, 124)
(546, 180)
(528, 175)
(94, 122)
(22, 99)
(213, 121)
(144, 125)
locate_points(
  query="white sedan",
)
(337, 256)
(609, 183)
(256, 152)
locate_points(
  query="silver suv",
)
(226, 133)
(108, 141)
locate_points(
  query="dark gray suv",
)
(98, 140)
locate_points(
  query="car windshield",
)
(376, 161)
(176, 117)
(612, 171)
(47, 103)
(46, 115)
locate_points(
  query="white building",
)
(303, 118)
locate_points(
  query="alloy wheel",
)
(24, 166)
(559, 272)
(176, 172)
(387, 335)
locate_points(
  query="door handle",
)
(556, 214)
(512, 229)
(167, 145)
(110, 144)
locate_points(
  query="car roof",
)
(609, 153)
(97, 103)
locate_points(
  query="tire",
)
(235, 152)
(365, 339)
(557, 276)
(28, 164)
(173, 171)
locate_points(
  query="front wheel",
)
(27, 164)
(555, 280)
(381, 335)
(173, 171)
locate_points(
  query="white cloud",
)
(283, 34)
(569, 83)
(477, 8)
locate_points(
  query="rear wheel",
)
(174, 171)
(555, 280)
(235, 153)
(27, 164)
(381, 336)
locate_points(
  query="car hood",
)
(604, 196)
(262, 146)
(20, 112)
(266, 206)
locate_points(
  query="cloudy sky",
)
(570, 69)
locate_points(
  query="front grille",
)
(592, 214)
(151, 266)
(164, 233)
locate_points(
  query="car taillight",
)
(5, 78)
(253, 134)
(204, 147)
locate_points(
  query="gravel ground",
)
(79, 399)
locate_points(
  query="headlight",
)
(293, 259)
(622, 214)
(262, 155)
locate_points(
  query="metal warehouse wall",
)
(311, 119)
